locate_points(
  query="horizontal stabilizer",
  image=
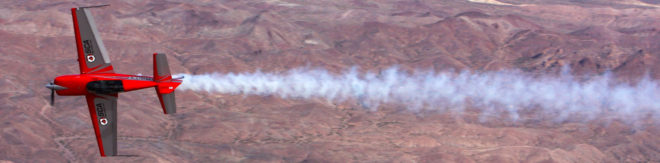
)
(166, 85)
(168, 102)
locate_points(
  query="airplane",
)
(101, 86)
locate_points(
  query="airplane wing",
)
(92, 55)
(103, 111)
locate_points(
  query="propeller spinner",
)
(53, 87)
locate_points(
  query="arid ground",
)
(533, 36)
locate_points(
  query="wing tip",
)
(94, 6)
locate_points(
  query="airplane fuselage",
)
(83, 84)
(100, 85)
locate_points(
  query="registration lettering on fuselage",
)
(140, 78)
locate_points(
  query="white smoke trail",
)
(491, 92)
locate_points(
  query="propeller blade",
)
(52, 92)
(52, 97)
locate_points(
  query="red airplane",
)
(100, 85)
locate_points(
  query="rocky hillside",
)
(534, 36)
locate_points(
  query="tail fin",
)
(166, 85)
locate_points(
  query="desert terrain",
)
(533, 36)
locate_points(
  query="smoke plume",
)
(494, 92)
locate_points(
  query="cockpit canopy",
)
(105, 86)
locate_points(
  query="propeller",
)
(53, 87)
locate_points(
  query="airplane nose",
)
(53, 86)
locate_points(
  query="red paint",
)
(82, 58)
(76, 85)
(155, 67)
(130, 85)
(81, 55)
(92, 112)
(165, 84)
(108, 69)
(164, 87)
(162, 104)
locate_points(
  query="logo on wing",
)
(90, 58)
(100, 111)
(103, 121)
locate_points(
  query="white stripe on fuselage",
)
(141, 78)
